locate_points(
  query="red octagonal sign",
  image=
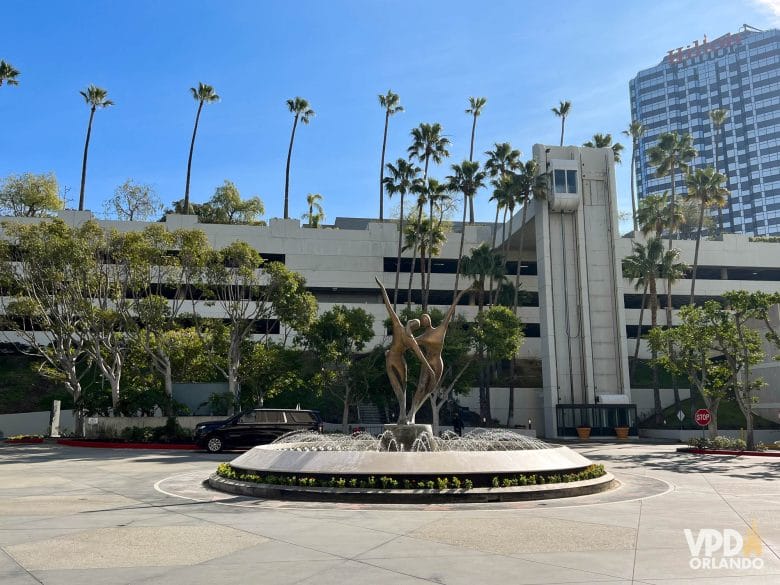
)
(702, 417)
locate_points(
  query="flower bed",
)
(123, 445)
(226, 471)
(25, 439)
(698, 451)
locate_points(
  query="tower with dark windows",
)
(739, 73)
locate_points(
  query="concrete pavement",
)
(105, 517)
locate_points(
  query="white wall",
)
(33, 423)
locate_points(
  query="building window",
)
(565, 181)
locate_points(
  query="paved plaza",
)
(91, 516)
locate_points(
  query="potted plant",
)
(583, 432)
(622, 432)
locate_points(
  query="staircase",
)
(369, 414)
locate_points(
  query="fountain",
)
(498, 464)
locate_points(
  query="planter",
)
(622, 432)
(583, 432)
(25, 440)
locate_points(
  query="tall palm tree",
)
(718, 119)
(646, 266)
(402, 179)
(203, 94)
(429, 238)
(480, 265)
(428, 145)
(467, 179)
(672, 153)
(438, 197)
(501, 160)
(530, 185)
(475, 110)
(502, 195)
(301, 110)
(391, 103)
(562, 111)
(8, 74)
(635, 131)
(706, 187)
(316, 215)
(95, 97)
(605, 141)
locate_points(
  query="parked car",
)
(254, 427)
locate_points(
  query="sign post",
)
(702, 418)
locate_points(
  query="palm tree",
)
(428, 238)
(502, 195)
(501, 160)
(468, 179)
(8, 74)
(530, 185)
(439, 200)
(670, 154)
(475, 110)
(403, 178)
(718, 118)
(706, 187)
(562, 111)
(646, 266)
(391, 102)
(95, 97)
(635, 131)
(316, 215)
(203, 94)
(480, 265)
(605, 141)
(427, 144)
(301, 110)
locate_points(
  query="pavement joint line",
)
(6, 553)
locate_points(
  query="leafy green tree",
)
(605, 141)
(648, 264)
(468, 179)
(391, 103)
(227, 206)
(705, 186)
(30, 195)
(402, 180)
(8, 74)
(133, 202)
(475, 111)
(562, 111)
(203, 94)
(302, 112)
(47, 306)
(498, 336)
(335, 338)
(635, 131)
(688, 350)
(269, 370)
(316, 214)
(718, 119)
(96, 98)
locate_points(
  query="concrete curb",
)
(381, 496)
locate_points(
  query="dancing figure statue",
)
(395, 362)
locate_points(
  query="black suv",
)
(254, 427)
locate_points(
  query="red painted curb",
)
(110, 445)
(724, 452)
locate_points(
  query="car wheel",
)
(214, 445)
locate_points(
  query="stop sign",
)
(702, 417)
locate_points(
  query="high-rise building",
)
(737, 72)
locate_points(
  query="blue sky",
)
(337, 54)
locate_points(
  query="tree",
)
(429, 237)
(427, 144)
(635, 131)
(391, 103)
(30, 195)
(47, 306)
(438, 196)
(480, 265)
(203, 94)
(468, 179)
(706, 187)
(227, 207)
(654, 215)
(562, 111)
(133, 202)
(268, 370)
(335, 338)
(646, 266)
(248, 290)
(688, 350)
(302, 112)
(95, 97)
(475, 110)
(316, 215)
(403, 179)
(498, 336)
(8, 74)
(718, 118)
(605, 141)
